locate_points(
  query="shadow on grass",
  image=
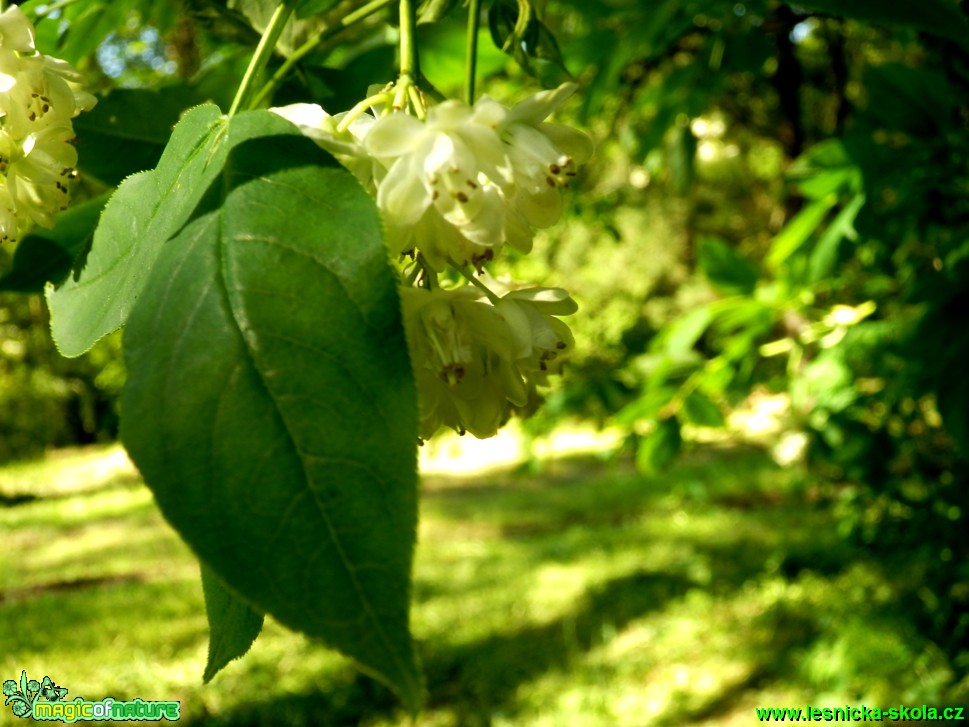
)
(476, 680)
(715, 539)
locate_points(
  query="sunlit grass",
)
(588, 595)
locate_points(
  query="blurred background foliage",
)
(778, 207)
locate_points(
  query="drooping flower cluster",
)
(475, 360)
(453, 189)
(37, 103)
(464, 182)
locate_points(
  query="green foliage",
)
(660, 448)
(793, 174)
(529, 590)
(726, 270)
(306, 402)
(798, 183)
(941, 17)
(143, 214)
(48, 255)
(45, 399)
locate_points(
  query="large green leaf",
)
(146, 210)
(270, 403)
(143, 214)
(940, 17)
(88, 24)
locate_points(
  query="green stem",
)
(470, 66)
(409, 67)
(263, 52)
(429, 280)
(314, 42)
(492, 296)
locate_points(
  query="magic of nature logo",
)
(43, 700)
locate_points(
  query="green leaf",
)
(47, 255)
(701, 411)
(825, 253)
(797, 231)
(939, 17)
(516, 29)
(646, 406)
(918, 100)
(657, 451)
(725, 268)
(270, 403)
(127, 131)
(144, 212)
(683, 333)
(233, 624)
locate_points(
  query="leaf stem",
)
(321, 36)
(470, 66)
(262, 53)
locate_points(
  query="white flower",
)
(475, 362)
(37, 103)
(544, 157)
(37, 170)
(542, 341)
(16, 31)
(345, 145)
(461, 351)
(464, 182)
(452, 165)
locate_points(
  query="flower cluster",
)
(37, 103)
(464, 182)
(453, 189)
(475, 360)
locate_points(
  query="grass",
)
(587, 596)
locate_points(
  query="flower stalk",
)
(262, 54)
(314, 42)
(409, 62)
(470, 66)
